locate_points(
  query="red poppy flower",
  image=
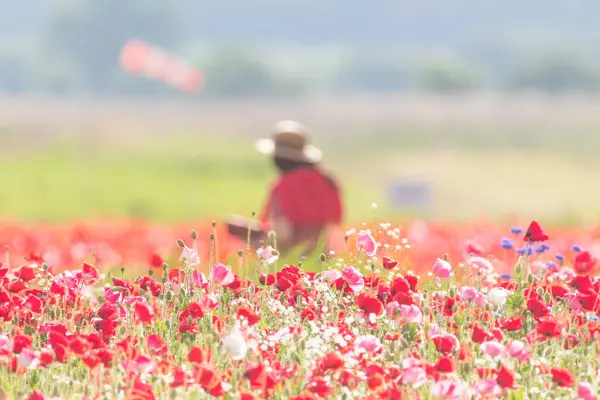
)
(562, 376)
(505, 377)
(16, 286)
(246, 312)
(79, 346)
(267, 279)
(320, 387)
(511, 324)
(308, 314)
(445, 365)
(584, 263)
(37, 395)
(206, 377)
(21, 342)
(549, 328)
(399, 285)
(375, 381)
(199, 355)
(412, 280)
(155, 260)
(257, 376)
(144, 313)
(445, 344)
(369, 304)
(34, 304)
(538, 308)
(582, 283)
(332, 361)
(535, 233)
(156, 345)
(479, 335)
(389, 263)
(26, 273)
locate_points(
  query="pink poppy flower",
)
(411, 314)
(538, 268)
(368, 344)
(449, 390)
(331, 275)
(488, 387)
(367, 244)
(414, 376)
(573, 300)
(199, 280)
(481, 264)
(268, 254)
(222, 275)
(492, 348)
(353, 279)
(586, 392)
(442, 268)
(517, 349)
(470, 293)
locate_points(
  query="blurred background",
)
(436, 109)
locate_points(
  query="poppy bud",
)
(169, 295)
(530, 279)
(194, 234)
(518, 269)
(180, 243)
(214, 224)
(548, 297)
(540, 291)
(452, 292)
(212, 236)
(322, 257)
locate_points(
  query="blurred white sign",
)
(410, 193)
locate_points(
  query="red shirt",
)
(307, 198)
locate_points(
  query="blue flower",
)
(576, 248)
(543, 247)
(551, 265)
(507, 244)
(505, 277)
(593, 318)
(515, 230)
(527, 251)
(559, 257)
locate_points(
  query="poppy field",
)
(131, 310)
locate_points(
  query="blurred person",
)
(304, 204)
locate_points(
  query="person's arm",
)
(282, 227)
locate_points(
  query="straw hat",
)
(290, 141)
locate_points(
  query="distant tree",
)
(445, 76)
(559, 71)
(88, 34)
(236, 72)
(371, 73)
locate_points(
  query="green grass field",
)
(187, 174)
